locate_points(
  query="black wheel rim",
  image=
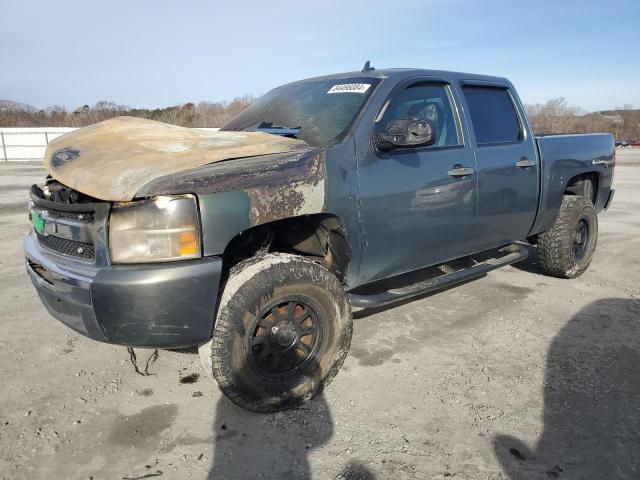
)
(580, 242)
(284, 337)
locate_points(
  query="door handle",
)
(460, 172)
(525, 163)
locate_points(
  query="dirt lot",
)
(512, 376)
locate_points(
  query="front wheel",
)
(566, 249)
(282, 331)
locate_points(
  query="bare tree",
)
(203, 114)
(553, 117)
(556, 116)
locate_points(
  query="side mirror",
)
(406, 132)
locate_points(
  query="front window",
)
(427, 101)
(320, 112)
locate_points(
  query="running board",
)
(513, 253)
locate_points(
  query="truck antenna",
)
(367, 67)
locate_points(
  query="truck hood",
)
(112, 160)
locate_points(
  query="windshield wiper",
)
(269, 127)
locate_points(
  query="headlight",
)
(162, 229)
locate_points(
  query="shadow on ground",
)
(279, 445)
(274, 446)
(591, 400)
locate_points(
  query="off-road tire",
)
(257, 284)
(556, 246)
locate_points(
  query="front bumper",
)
(169, 305)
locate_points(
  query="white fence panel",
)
(29, 144)
(24, 144)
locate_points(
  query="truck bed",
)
(564, 157)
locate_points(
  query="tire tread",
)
(554, 252)
(223, 329)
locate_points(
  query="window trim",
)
(522, 131)
(401, 87)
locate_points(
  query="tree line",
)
(556, 116)
(553, 117)
(202, 114)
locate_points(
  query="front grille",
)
(81, 217)
(70, 224)
(69, 248)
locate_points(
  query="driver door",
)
(418, 208)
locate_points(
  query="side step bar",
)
(512, 254)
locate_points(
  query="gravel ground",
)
(512, 376)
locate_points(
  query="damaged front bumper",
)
(170, 305)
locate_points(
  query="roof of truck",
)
(400, 73)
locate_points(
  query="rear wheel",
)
(282, 332)
(566, 249)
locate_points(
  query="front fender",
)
(239, 194)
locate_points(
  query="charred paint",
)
(263, 191)
(289, 198)
(112, 160)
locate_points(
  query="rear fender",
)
(570, 158)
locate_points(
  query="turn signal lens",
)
(188, 243)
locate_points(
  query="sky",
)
(159, 53)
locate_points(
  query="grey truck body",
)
(379, 213)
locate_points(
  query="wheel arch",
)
(320, 236)
(585, 185)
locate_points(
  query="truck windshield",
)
(319, 112)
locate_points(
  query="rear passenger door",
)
(506, 161)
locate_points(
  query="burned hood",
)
(114, 159)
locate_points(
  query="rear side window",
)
(493, 115)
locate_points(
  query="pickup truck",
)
(351, 190)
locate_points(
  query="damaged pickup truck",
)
(254, 242)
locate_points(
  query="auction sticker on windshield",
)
(350, 88)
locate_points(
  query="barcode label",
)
(350, 88)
